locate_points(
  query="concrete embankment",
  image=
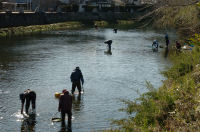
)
(27, 19)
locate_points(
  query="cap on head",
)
(77, 67)
(27, 91)
(64, 91)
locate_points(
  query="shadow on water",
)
(28, 124)
(108, 52)
(77, 102)
(166, 52)
(64, 129)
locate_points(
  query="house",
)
(65, 1)
(132, 2)
(137, 2)
(16, 5)
(94, 5)
(148, 1)
(45, 5)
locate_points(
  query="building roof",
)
(17, 1)
(13, 3)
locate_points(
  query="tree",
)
(1, 5)
(176, 2)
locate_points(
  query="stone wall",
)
(26, 19)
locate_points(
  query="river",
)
(43, 63)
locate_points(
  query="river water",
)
(43, 63)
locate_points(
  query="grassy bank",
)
(118, 24)
(175, 106)
(185, 19)
(35, 29)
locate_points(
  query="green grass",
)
(35, 29)
(183, 18)
(175, 106)
(177, 17)
(101, 23)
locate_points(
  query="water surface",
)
(44, 63)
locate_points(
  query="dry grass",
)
(183, 18)
(27, 30)
(174, 107)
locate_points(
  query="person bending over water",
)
(30, 97)
(155, 45)
(115, 30)
(109, 42)
(178, 46)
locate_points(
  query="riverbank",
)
(175, 106)
(185, 19)
(120, 24)
(37, 29)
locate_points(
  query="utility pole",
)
(30, 5)
(27, 5)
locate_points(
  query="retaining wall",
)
(26, 19)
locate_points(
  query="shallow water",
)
(44, 63)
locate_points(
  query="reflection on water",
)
(77, 103)
(28, 124)
(166, 52)
(108, 52)
(44, 63)
(65, 129)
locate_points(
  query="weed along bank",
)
(175, 105)
(99, 66)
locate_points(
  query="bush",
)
(174, 106)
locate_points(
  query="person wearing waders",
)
(167, 40)
(76, 79)
(115, 30)
(109, 42)
(65, 107)
(30, 97)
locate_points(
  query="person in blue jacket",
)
(155, 45)
(167, 39)
(76, 79)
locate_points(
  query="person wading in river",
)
(167, 39)
(109, 42)
(76, 79)
(29, 96)
(65, 107)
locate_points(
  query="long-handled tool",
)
(83, 88)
